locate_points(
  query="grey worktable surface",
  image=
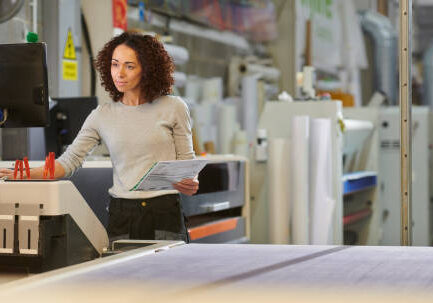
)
(199, 266)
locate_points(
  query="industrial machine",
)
(46, 224)
(389, 132)
(362, 219)
(219, 211)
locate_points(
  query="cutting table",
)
(178, 270)
(185, 269)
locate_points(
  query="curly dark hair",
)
(157, 65)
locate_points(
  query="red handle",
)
(21, 170)
(26, 164)
(52, 165)
(17, 166)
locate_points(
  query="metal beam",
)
(406, 120)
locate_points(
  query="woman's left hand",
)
(187, 186)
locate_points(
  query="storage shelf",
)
(358, 181)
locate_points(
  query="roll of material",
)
(226, 128)
(266, 72)
(250, 106)
(278, 191)
(179, 54)
(240, 143)
(205, 123)
(193, 89)
(299, 195)
(179, 79)
(203, 113)
(355, 125)
(321, 196)
(212, 90)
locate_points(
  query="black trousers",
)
(159, 218)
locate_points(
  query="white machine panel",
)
(29, 200)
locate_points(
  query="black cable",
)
(89, 50)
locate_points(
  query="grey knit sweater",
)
(136, 137)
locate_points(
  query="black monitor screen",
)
(67, 116)
(216, 177)
(24, 84)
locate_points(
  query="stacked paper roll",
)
(300, 213)
(266, 72)
(179, 79)
(193, 89)
(322, 203)
(278, 191)
(179, 54)
(212, 90)
(226, 128)
(250, 106)
(204, 122)
(240, 143)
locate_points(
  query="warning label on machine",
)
(69, 51)
(69, 62)
(70, 70)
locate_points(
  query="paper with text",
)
(163, 174)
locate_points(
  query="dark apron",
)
(159, 218)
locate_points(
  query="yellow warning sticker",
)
(69, 51)
(70, 70)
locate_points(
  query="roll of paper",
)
(193, 89)
(240, 144)
(299, 192)
(212, 90)
(226, 128)
(179, 79)
(204, 121)
(278, 191)
(250, 106)
(179, 54)
(266, 72)
(321, 195)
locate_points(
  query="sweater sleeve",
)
(88, 137)
(182, 132)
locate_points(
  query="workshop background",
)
(295, 103)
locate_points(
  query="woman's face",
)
(125, 69)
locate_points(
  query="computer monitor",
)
(24, 84)
(67, 117)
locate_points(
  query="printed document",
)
(163, 174)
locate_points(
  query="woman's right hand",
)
(6, 172)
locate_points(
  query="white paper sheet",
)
(163, 174)
(299, 193)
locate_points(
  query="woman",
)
(141, 126)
